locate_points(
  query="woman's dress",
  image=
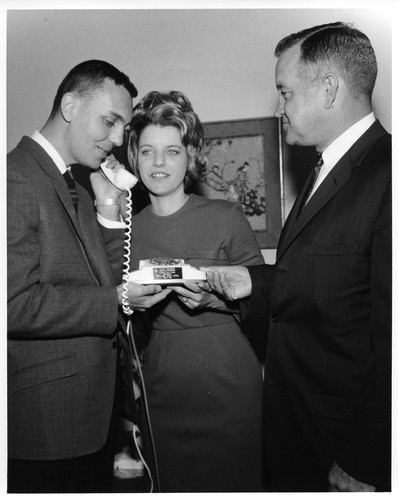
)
(202, 377)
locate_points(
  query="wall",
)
(221, 58)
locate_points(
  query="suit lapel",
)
(83, 229)
(329, 187)
(91, 242)
(81, 225)
(63, 193)
(294, 213)
(334, 181)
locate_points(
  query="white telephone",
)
(122, 179)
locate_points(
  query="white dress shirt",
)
(339, 147)
(50, 150)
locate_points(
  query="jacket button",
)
(114, 344)
(274, 318)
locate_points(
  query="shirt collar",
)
(50, 150)
(343, 143)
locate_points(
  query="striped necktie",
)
(70, 181)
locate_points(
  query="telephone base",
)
(166, 271)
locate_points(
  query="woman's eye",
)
(174, 152)
(146, 152)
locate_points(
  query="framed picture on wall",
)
(245, 166)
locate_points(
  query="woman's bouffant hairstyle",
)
(169, 109)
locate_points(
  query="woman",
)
(203, 380)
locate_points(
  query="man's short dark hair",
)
(339, 47)
(88, 76)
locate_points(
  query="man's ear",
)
(68, 105)
(331, 87)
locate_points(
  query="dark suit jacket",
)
(328, 360)
(62, 313)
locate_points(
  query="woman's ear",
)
(331, 86)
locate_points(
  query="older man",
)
(328, 357)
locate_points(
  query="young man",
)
(64, 289)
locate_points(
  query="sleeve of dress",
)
(243, 249)
(241, 246)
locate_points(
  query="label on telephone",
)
(165, 271)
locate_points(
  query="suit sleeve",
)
(115, 250)
(366, 449)
(57, 307)
(257, 305)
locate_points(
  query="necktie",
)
(70, 181)
(315, 174)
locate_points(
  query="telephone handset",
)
(122, 179)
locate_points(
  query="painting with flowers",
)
(244, 166)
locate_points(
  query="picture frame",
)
(245, 165)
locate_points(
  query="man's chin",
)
(293, 140)
(95, 164)
(290, 140)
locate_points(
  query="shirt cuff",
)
(111, 224)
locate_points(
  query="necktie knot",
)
(70, 181)
(318, 167)
(314, 177)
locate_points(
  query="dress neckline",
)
(177, 212)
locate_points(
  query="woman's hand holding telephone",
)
(200, 296)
